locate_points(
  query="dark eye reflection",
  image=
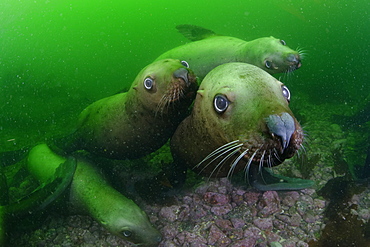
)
(220, 103)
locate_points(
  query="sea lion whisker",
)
(298, 152)
(277, 156)
(218, 150)
(223, 160)
(182, 94)
(302, 53)
(301, 151)
(270, 161)
(247, 167)
(160, 105)
(303, 148)
(218, 156)
(261, 160)
(261, 167)
(235, 162)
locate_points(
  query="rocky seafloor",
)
(220, 213)
(216, 213)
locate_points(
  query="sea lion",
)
(90, 193)
(137, 122)
(210, 50)
(241, 120)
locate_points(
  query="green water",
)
(59, 56)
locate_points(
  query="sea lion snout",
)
(294, 60)
(183, 74)
(283, 126)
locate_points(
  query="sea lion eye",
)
(148, 83)
(282, 42)
(221, 103)
(185, 63)
(268, 64)
(126, 233)
(286, 93)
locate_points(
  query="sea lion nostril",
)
(183, 74)
(283, 126)
(292, 58)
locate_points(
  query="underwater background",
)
(57, 57)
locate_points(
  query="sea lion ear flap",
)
(200, 92)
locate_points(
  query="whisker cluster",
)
(302, 53)
(225, 154)
(229, 149)
(174, 93)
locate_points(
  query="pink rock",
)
(187, 200)
(252, 232)
(235, 234)
(239, 192)
(247, 242)
(223, 224)
(214, 234)
(309, 191)
(216, 198)
(194, 239)
(237, 197)
(295, 220)
(217, 238)
(181, 237)
(309, 218)
(263, 223)
(272, 236)
(269, 204)
(221, 210)
(237, 222)
(318, 203)
(290, 198)
(169, 231)
(198, 212)
(251, 197)
(171, 213)
(168, 243)
(294, 194)
(279, 224)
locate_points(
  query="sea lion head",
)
(164, 84)
(274, 56)
(243, 114)
(131, 223)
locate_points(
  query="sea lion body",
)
(255, 129)
(210, 50)
(91, 194)
(135, 123)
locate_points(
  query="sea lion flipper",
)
(264, 180)
(195, 33)
(45, 193)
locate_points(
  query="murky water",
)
(56, 57)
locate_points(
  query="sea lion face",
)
(165, 83)
(243, 113)
(275, 56)
(133, 226)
